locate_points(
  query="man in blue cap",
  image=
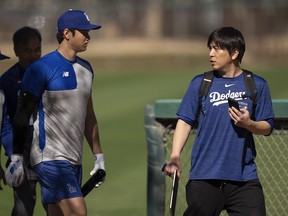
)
(59, 87)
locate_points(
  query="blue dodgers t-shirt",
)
(222, 150)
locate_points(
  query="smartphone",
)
(233, 103)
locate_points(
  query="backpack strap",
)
(250, 86)
(251, 90)
(203, 92)
(206, 83)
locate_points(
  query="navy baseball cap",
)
(75, 19)
(2, 57)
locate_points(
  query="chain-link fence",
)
(271, 160)
(272, 163)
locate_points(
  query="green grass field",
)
(122, 88)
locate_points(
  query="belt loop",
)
(222, 185)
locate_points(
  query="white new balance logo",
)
(65, 74)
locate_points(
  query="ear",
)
(234, 54)
(16, 51)
(66, 34)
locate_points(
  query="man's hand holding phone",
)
(241, 117)
(233, 103)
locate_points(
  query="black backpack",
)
(206, 84)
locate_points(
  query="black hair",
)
(228, 38)
(24, 34)
(60, 36)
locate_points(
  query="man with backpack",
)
(223, 174)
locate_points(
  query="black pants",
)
(210, 197)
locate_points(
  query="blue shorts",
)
(59, 180)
